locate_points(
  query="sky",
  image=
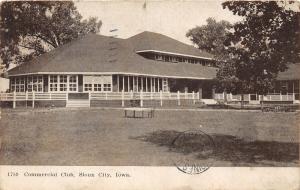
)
(171, 18)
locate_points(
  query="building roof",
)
(292, 73)
(154, 41)
(96, 53)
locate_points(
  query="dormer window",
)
(159, 57)
(174, 59)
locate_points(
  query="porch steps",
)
(77, 103)
(209, 101)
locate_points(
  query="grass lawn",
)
(105, 137)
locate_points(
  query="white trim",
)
(170, 53)
(111, 73)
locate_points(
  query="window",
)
(73, 83)
(40, 83)
(97, 87)
(106, 87)
(29, 84)
(97, 83)
(88, 87)
(59, 83)
(63, 80)
(13, 84)
(18, 84)
(53, 83)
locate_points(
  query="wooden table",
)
(139, 112)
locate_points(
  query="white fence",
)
(21, 96)
(257, 97)
(46, 96)
(143, 96)
(43, 96)
(29, 96)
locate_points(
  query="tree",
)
(29, 28)
(263, 43)
(211, 37)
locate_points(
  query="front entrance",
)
(78, 96)
(78, 100)
(207, 91)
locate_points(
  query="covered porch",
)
(128, 83)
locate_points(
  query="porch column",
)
(133, 83)
(200, 93)
(137, 84)
(118, 83)
(158, 85)
(213, 93)
(48, 83)
(293, 87)
(128, 84)
(155, 84)
(151, 87)
(142, 81)
(123, 83)
(146, 84)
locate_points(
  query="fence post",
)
(185, 94)
(123, 98)
(14, 99)
(280, 96)
(26, 95)
(178, 98)
(151, 95)
(105, 95)
(33, 97)
(193, 95)
(160, 96)
(26, 98)
(131, 94)
(141, 98)
(293, 97)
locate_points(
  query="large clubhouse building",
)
(147, 62)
